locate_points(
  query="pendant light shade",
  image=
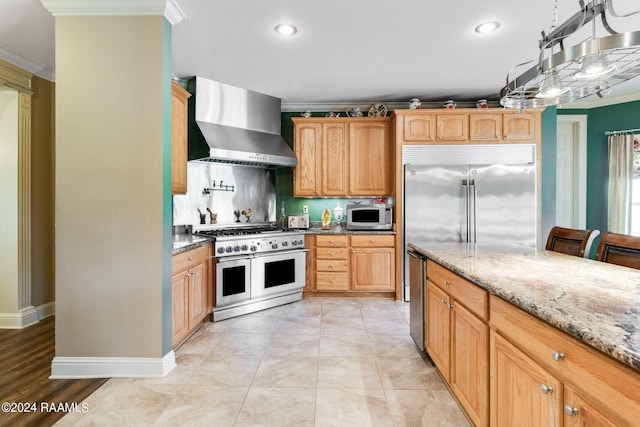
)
(551, 87)
(594, 66)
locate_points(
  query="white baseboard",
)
(21, 319)
(110, 367)
(27, 316)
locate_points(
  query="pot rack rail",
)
(618, 132)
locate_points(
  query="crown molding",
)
(26, 64)
(292, 107)
(168, 8)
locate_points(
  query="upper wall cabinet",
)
(342, 157)
(179, 98)
(466, 126)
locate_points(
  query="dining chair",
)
(571, 241)
(621, 249)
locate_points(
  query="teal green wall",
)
(548, 171)
(599, 120)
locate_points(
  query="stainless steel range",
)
(256, 267)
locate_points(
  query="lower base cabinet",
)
(522, 392)
(352, 263)
(508, 368)
(191, 291)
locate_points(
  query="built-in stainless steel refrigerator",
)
(473, 193)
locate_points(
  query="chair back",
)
(571, 241)
(620, 249)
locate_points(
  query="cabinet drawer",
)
(329, 241)
(470, 295)
(332, 253)
(186, 260)
(332, 265)
(372, 241)
(327, 281)
(601, 379)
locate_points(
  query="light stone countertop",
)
(596, 302)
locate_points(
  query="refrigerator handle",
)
(465, 210)
(474, 210)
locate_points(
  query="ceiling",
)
(345, 50)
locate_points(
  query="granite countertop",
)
(596, 302)
(186, 241)
(316, 228)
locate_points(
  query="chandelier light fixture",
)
(591, 67)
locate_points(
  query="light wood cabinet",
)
(308, 173)
(604, 391)
(370, 159)
(191, 291)
(353, 264)
(489, 126)
(179, 97)
(522, 126)
(458, 338)
(522, 392)
(485, 127)
(342, 157)
(332, 263)
(452, 127)
(372, 263)
(578, 412)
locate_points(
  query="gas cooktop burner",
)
(238, 231)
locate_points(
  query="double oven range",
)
(256, 267)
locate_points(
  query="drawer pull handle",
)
(330, 265)
(446, 283)
(331, 253)
(443, 301)
(331, 281)
(190, 258)
(372, 241)
(546, 389)
(186, 275)
(450, 306)
(557, 356)
(571, 411)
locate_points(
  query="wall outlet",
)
(305, 209)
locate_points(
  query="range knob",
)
(244, 247)
(236, 248)
(254, 248)
(285, 244)
(220, 250)
(228, 249)
(274, 246)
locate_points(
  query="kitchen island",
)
(566, 329)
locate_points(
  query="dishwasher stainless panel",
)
(417, 303)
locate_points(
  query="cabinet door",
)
(453, 127)
(420, 128)
(438, 328)
(580, 413)
(519, 126)
(308, 148)
(180, 304)
(485, 127)
(178, 139)
(198, 294)
(517, 396)
(470, 363)
(372, 269)
(335, 165)
(369, 159)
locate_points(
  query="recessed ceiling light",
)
(487, 27)
(286, 29)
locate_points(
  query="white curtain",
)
(620, 182)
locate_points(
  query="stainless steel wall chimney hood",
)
(240, 126)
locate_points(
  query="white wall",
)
(9, 201)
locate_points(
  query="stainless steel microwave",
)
(369, 217)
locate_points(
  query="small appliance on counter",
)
(369, 217)
(299, 221)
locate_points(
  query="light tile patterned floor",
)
(318, 362)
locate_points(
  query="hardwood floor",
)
(25, 366)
